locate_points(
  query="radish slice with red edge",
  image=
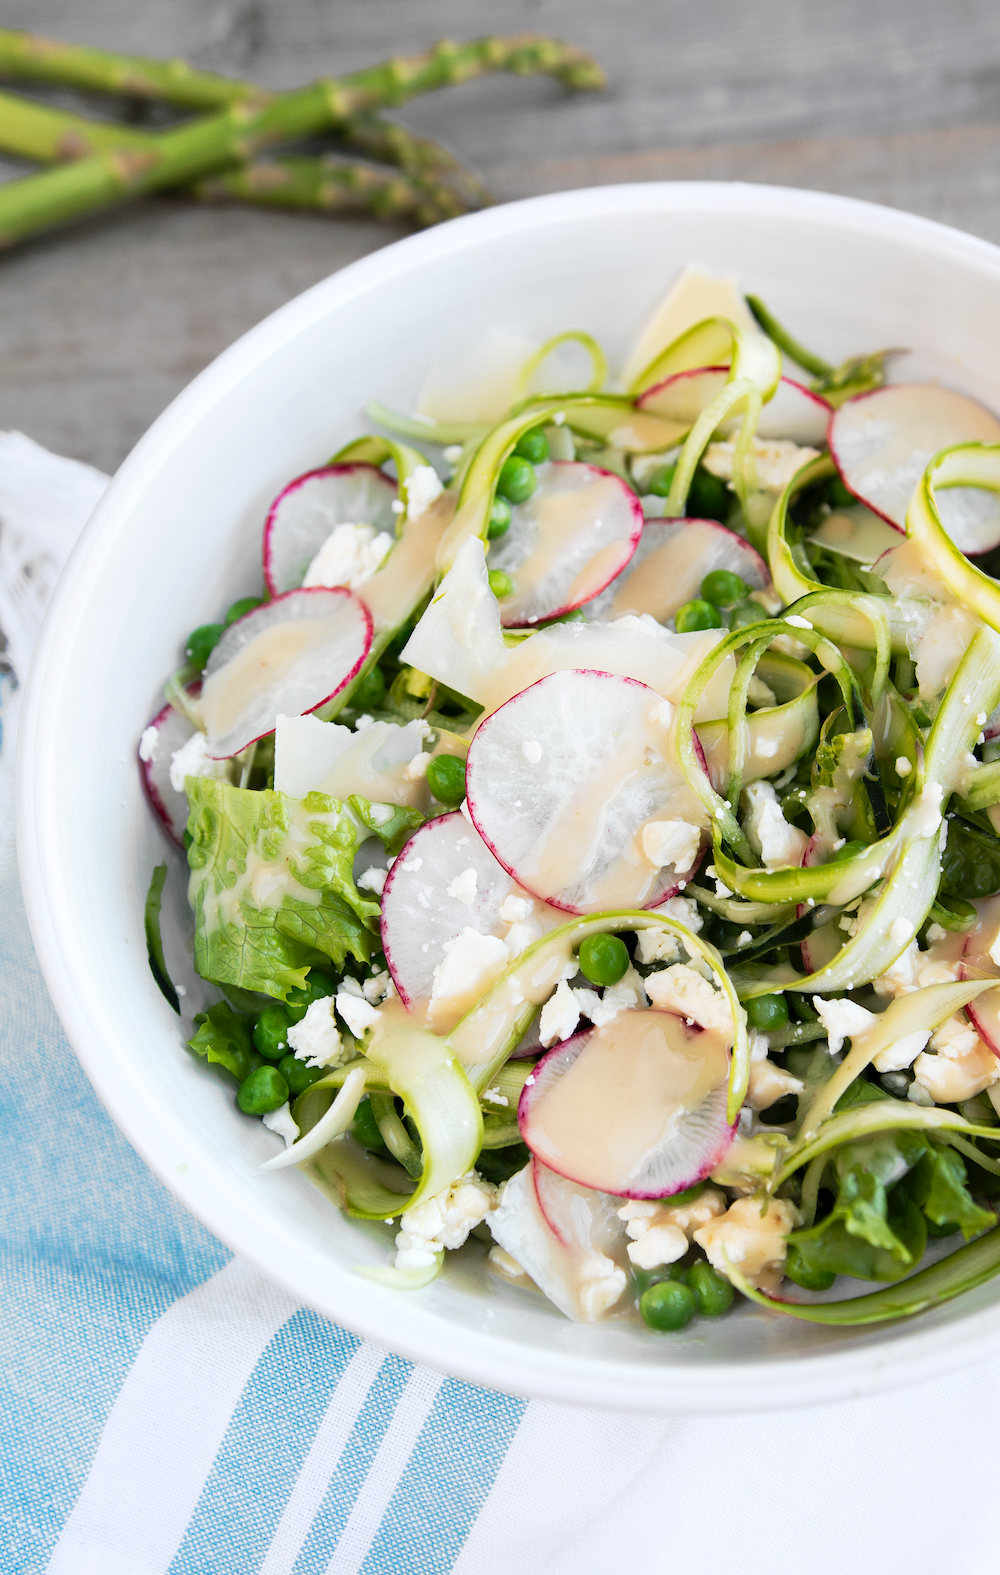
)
(882, 442)
(568, 541)
(445, 882)
(282, 659)
(564, 779)
(168, 732)
(793, 412)
(670, 562)
(305, 512)
(978, 963)
(635, 1108)
(574, 1248)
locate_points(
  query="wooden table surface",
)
(102, 322)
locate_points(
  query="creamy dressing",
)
(667, 577)
(621, 1099)
(565, 523)
(408, 571)
(260, 665)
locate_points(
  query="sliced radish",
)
(168, 731)
(978, 963)
(567, 542)
(305, 512)
(882, 442)
(636, 1108)
(670, 562)
(563, 781)
(283, 659)
(444, 883)
(581, 1265)
(793, 412)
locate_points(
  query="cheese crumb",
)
(755, 1243)
(680, 989)
(769, 833)
(281, 1122)
(316, 1040)
(531, 749)
(149, 742)
(373, 880)
(358, 1014)
(673, 842)
(349, 556)
(560, 1015)
(422, 488)
(193, 760)
(463, 887)
(842, 1020)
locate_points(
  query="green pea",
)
(369, 691)
(723, 588)
(242, 607)
(365, 1127)
(603, 959)
(263, 1091)
(534, 445)
(709, 498)
(713, 1293)
(659, 482)
(298, 1076)
(446, 779)
(642, 1279)
(577, 615)
(201, 643)
(697, 615)
(517, 479)
(667, 1306)
(800, 1273)
(745, 614)
(501, 584)
(317, 985)
(270, 1032)
(500, 518)
(766, 1012)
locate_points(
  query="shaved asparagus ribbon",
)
(963, 465)
(961, 1271)
(716, 341)
(337, 1120)
(598, 359)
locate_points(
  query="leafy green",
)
(970, 864)
(868, 1234)
(223, 1037)
(154, 941)
(393, 830)
(938, 1185)
(271, 886)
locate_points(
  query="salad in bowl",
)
(593, 826)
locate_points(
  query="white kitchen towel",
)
(166, 1410)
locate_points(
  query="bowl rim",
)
(475, 1356)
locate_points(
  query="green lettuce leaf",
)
(223, 1037)
(271, 886)
(875, 1231)
(393, 829)
(938, 1185)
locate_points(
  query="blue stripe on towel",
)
(264, 1448)
(458, 1454)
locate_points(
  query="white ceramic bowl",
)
(177, 537)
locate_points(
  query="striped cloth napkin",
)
(167, 1410)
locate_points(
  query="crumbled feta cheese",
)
(679, 989)
(642, 1215)
(779, 844)
(315, 1040)
(660, 1244)
(656, 946)
(924, 816)
(744, 938)
(514, 910)
(149, 742)
(673, 842)
(683, 910)
(494, 1097)
(443, 1221)
(900, 931)
(560, 1015)
(913, 969)
(531, 749)
(602, 1285)
(422, 488)
(520, 936)
(903, 766)
(903, 1053)
(280, 1121)
(954, 1038)
(463, 887)
(769, 1083)
(471, 963)
(349, 556)
(753, 1242)
(373, 880)
(452, 453)
(416, 769)
(661, 715)
(398, 506)
(842, 1020)
(358, 1014)
(797, 622)
(378, 988)
(948, 1078)
(193, 760)
(776, 460)
(364, 722)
